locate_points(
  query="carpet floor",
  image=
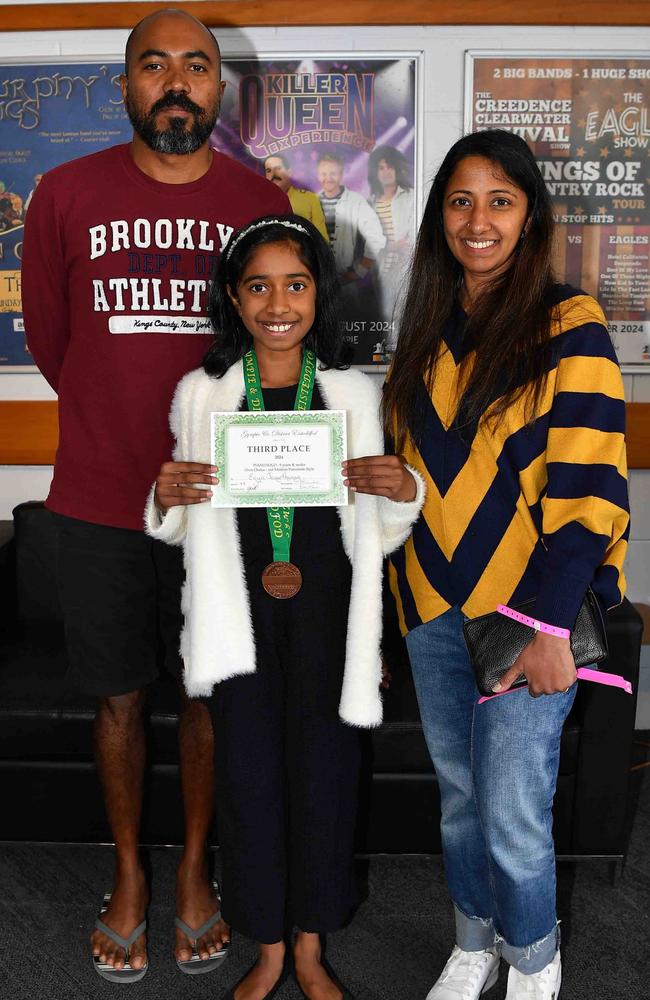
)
(393, 949)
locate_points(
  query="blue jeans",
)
(497, 766)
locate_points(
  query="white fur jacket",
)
(217, 640)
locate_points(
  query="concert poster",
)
(587, 120)
(342, 124)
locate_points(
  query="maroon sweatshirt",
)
(115, 273)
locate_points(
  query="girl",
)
(506, 394)
(294, 678)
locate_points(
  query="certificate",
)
(279, 458)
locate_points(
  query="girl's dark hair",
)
(510, 323)
(395, 159)
(232, 339)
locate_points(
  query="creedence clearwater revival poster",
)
(344, 127)
(588, 122)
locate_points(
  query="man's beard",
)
(177, 139)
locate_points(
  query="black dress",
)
(286, 766)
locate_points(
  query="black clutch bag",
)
(495, 641)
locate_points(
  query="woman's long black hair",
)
(510, 323)
(232, 339)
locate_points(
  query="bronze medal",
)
(282, 580)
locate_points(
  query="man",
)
(118, 251)
(354, 229)
(303, 202)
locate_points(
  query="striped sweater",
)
(522, 511)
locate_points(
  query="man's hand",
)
(381, 475)
(547, 663)
(177, 483)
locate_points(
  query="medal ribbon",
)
(280, 518)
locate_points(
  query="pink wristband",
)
(582, 674)
(560, 633)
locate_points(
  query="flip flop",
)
(127, 974)
(197, 966)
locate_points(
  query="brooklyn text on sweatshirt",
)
(116, 276)
(519, 510)
(162, 234)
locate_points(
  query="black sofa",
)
(47, 780)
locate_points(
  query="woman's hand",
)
(547, 663)
(176, 484)
(381, 475)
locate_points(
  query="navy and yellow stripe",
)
(522, 510)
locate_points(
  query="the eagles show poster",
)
(340, 131)
(588, 122)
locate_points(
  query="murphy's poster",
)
(588, 122)
(339, 134)
(49, 113)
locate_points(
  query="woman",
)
(391, 196)
(295, 678)
(506, 395)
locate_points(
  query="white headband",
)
(260, 225)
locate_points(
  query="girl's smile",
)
(278, 329)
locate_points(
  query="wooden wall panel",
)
(262, 13)
(29, 433)
(638, 434)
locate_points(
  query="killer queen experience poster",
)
(346, 128)
(587, 121)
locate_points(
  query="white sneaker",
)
(466, 975)
(544, 985)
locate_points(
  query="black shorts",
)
(120, 595)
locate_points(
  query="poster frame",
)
(417, 55)
(627, 368)
(52, 60)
